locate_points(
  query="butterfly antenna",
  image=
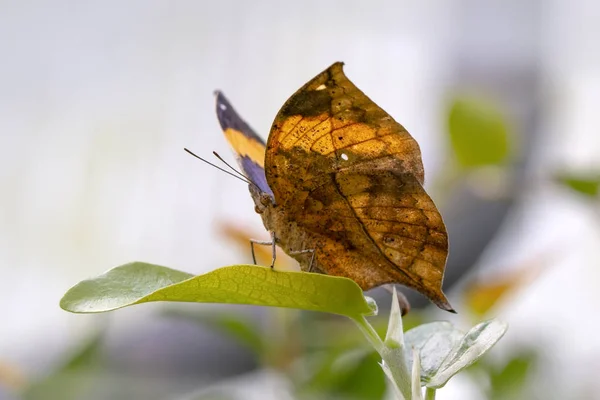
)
(243, 178)
(235, 170)
(229, 165)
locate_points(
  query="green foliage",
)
(435, 352)
(444, 351)
(137, 283)
(350, 379)
(351, 375)
(508, 381)
(585, 185)
(478, 133)
(74, 377)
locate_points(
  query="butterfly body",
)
(339, 183)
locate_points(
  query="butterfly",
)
(339, 185)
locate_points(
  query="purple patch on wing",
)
(256, 174)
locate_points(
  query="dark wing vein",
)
(366, 233)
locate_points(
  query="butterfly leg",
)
(312, 258)
(272, 243)
(402, 300)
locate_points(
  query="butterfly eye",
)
(265, 199)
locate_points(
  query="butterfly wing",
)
(352, 177)
(247, 145)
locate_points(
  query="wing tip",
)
(226, 115)
(337, 66)
(444, 304)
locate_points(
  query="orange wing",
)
(350, 178)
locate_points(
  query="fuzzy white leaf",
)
(468, 350)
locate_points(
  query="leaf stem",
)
(430, 394)
(367, 329)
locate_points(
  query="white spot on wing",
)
(344, 156)
(321, 87)
(222, 106)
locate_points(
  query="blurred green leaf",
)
(478, 133)
(63, 384)
(80, 370)
(138, 283)
(586, 185)
(508, 382)
(88, 355)
(352, 375)
(365, 381)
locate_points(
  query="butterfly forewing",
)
(247, 145)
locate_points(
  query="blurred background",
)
(98, 100)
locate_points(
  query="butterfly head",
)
(262, 201)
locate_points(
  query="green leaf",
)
(478, 133)
(138, 283)
(586, 185)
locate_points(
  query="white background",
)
(98, 99)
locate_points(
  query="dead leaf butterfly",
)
(339, 184)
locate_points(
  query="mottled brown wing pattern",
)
(400, 219)
(351, 176)
(330, 116)
(377, 228)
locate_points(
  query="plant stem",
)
(396, 363)
(394, 360)
(430, 394)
